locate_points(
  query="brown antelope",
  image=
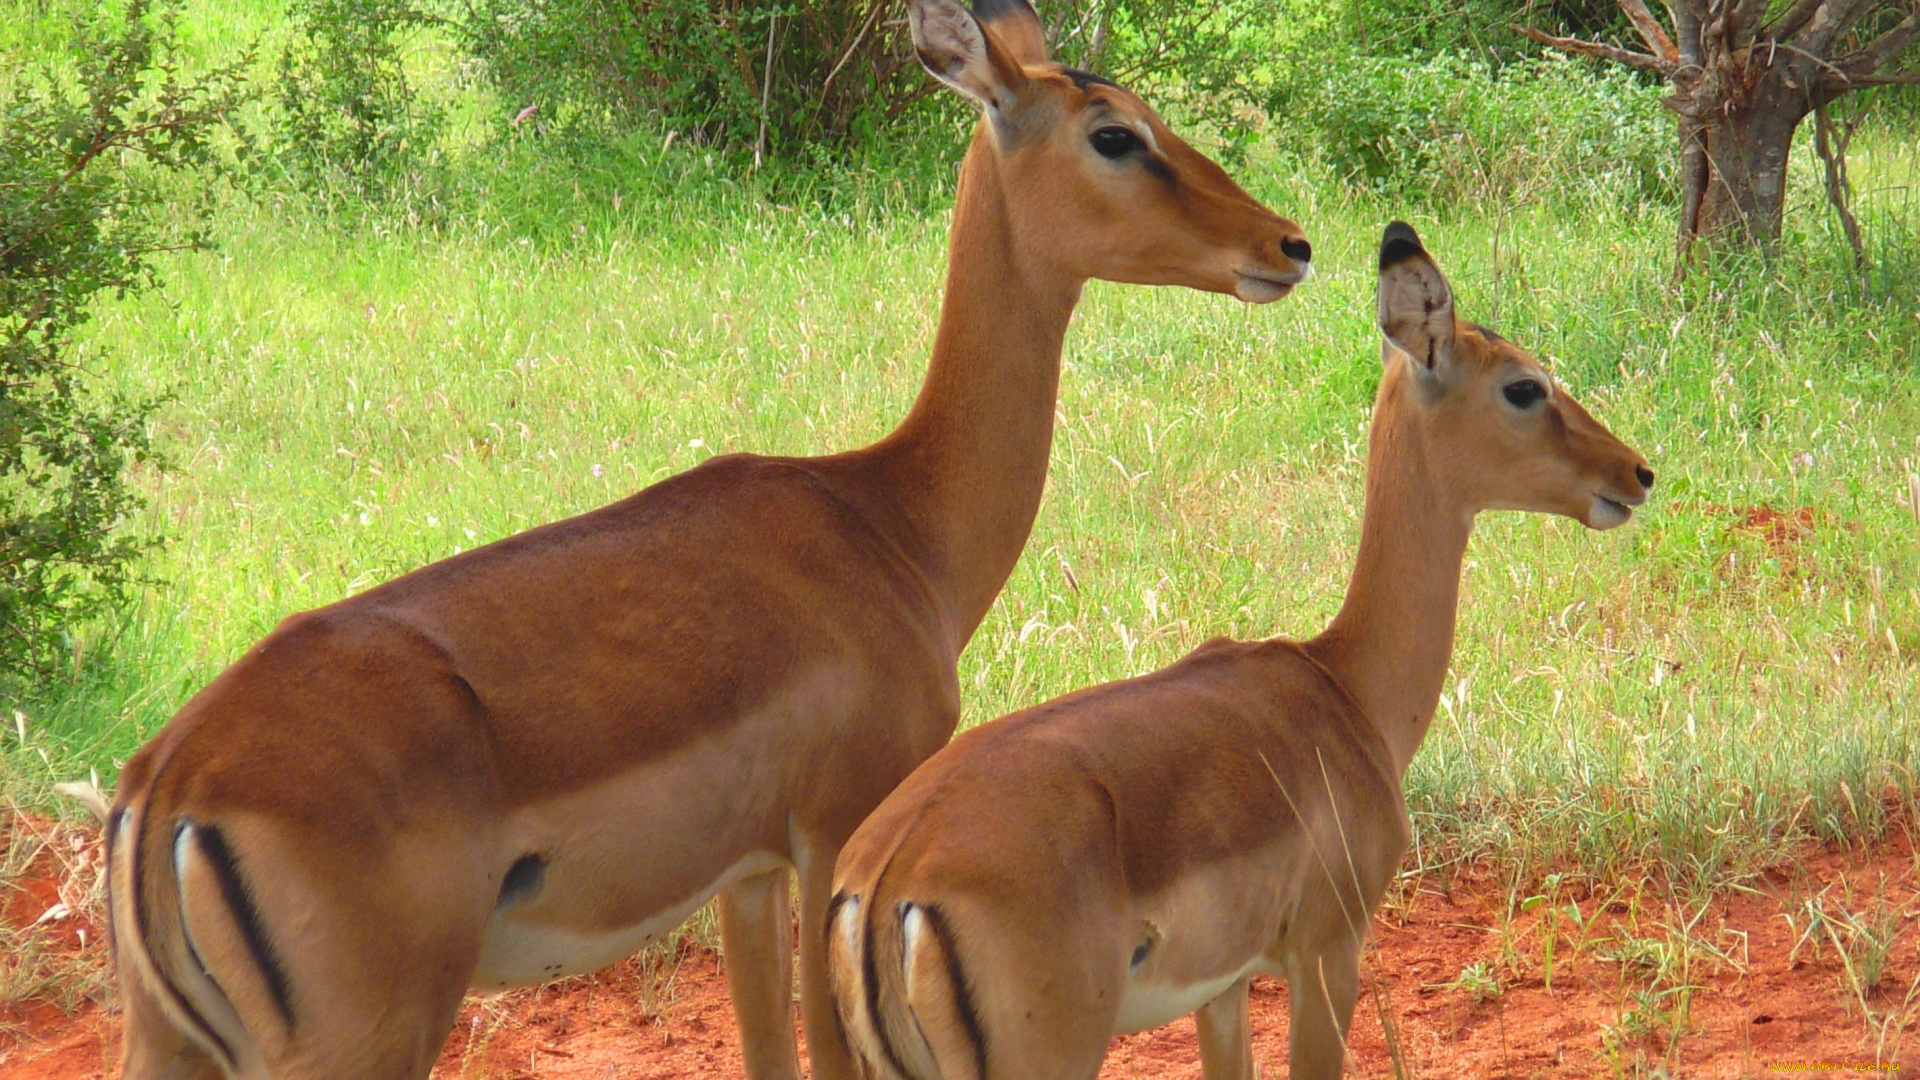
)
(1129, 853)
(531, 759)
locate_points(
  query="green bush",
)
(1454, 128)
(1477, 27)
(711, 70)
(86, 141)
(349, 123)
(842, 73)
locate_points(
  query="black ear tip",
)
(1399, 244)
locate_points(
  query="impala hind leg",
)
(756, 930)
(1323, 987)
(828, 1057)
(154, 1049)
(1226, 1035)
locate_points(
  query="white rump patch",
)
(912, 925)
(849, 925)
(182, 844)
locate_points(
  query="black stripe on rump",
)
(173, 993)
(113, 827)
(870, 975)
(962, 993)
(839, 1023)
(213, 844)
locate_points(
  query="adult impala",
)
(530, 759)
(1133, 852)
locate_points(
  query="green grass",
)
(351, 400)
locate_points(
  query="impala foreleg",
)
(828, 1056)
(1324, 986)
(756, 929)
(1226, 1035)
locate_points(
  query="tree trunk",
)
(1745, 73)
(1743, 186)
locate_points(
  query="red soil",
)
(1779, 993)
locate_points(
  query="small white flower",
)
(363, 517)
(597, 470)
(431, 520)
(695, 444)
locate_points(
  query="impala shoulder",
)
(1306, 692)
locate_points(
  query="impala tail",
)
(904, 1001)
(163, 969)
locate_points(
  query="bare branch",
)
(1833, 88)
(1650, 30)
(1833, 153)
(1834, 18)
(1748, 15)
(1686, 27)
(1693, 189)
(1790, 23)
(865, 25)
(1884, 50)
(1597, 50)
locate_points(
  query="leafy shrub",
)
(1454, 128)
(85, 142)
(1477, 27)
(349, 122)
(840, 72)
(1205, 63)
(712, 70)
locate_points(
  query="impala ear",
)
(1017, 26)
(965, 55)
(1416, 303)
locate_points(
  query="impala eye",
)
(1114, 142)
(1523, 394)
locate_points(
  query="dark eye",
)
(1523, 394)
(1114, 142)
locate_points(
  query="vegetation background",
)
(470, 269)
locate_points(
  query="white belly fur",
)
(1149, 1004)
(517, 954)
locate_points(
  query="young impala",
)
(1132, 852)
(530, 759)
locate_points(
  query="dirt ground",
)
(1461, 976)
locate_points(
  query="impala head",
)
(1094, 182)
(1497, 429)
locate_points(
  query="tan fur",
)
(684, 692)
(1130, 852)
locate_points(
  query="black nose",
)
(1297, 250)
(1646, 476)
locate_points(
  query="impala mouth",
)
(1608, 513)
(1265, 286)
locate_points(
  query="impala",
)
(1133, 852)
(531, 759)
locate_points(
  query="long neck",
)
(968, 464)
(1390, 644)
